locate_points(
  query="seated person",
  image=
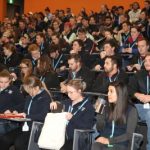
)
(139, 89)
(130, 46)
(78, 71)
(26, 70)
(41, 42)
(10, 99)
(68, 34)
(118, 122)
(137, 62)
(34, 54)
(80, 111)
(38, 98)
(46, 74)
(89, 45)
(59, 60)
(112, 72)
(78, 48)
(110, 49)
(62, 45)
(11, 59)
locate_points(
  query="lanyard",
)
(110, 79)
(55, 65)
(125, 38)
(29, 107)
(42, 46)
(34, 62)
(71, 108)
(148, 88)
(6, 59)
(140, 61)
(133, 43)
(112, 132)
(42, 79)
(113, 129)
(73, 75)
(148, 27)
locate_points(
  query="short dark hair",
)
(53, 48)
(76, 57)
(82, 30)
(80, 42)
(115, 60)
(112, 43)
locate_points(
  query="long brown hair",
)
(44, 65)
(118, 111)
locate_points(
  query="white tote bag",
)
(53, 132)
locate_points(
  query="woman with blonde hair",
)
(80, 111)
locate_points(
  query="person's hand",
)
(142, 97)
(137, 66)
(97, 68)
(73, 52)
(22, 114)
(120, 31)
(14, 76)
(129, 68)
(15, 112)
(69, 116)
(63, 33)
(62, 68)
(102, 140)
(53, 105)
(93, 33)
(128, 50)
(103, 54)
(7, 112)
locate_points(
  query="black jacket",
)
(12, 61)
(50, 79)
(37, 107)
(86, 75)
(11, 99)
(138, 83)
(102, 82)
(83, 119)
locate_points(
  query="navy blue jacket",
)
(37, 107)
(12, 99)
(83, 119)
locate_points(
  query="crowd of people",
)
(104, 52)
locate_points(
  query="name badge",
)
(146, 106)
(25, 127)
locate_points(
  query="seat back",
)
(136, 141)
(34, 136)
(82, 139)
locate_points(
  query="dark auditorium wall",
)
(76, 5)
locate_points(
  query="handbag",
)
(53, 131)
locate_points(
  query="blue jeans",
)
(144, 115)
